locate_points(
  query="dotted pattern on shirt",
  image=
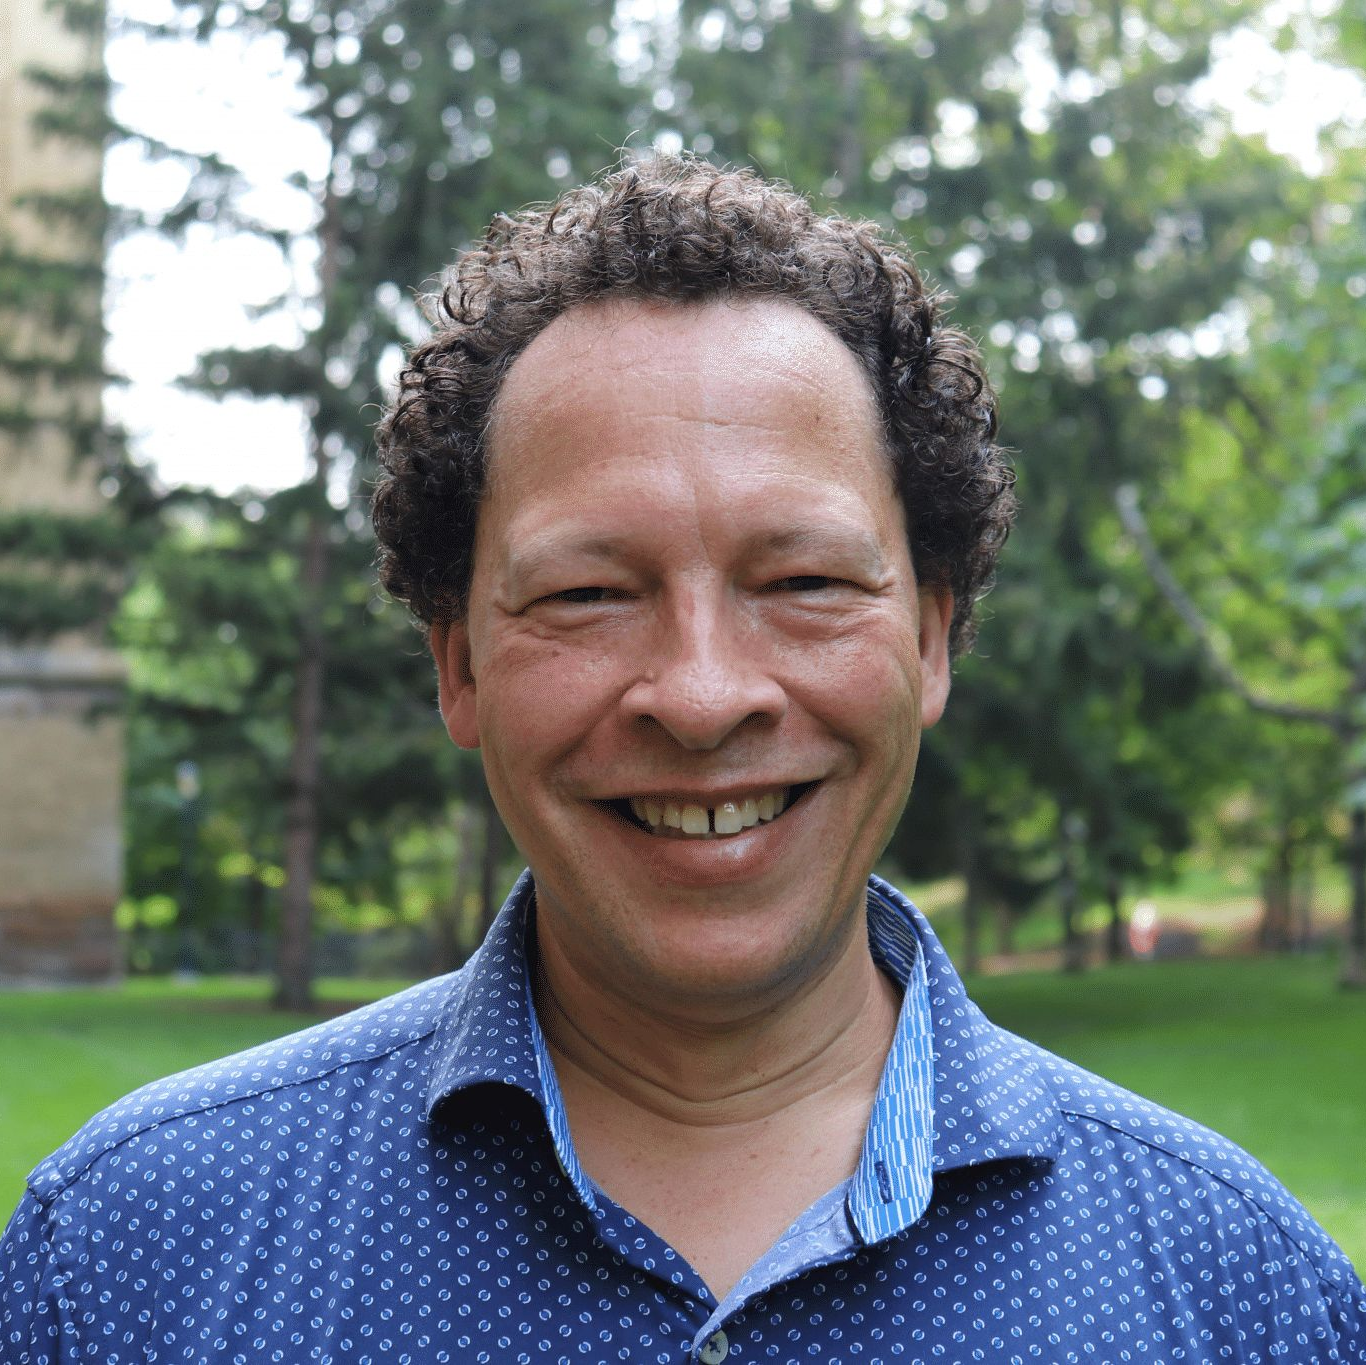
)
(366, 1192)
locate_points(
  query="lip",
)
(712, 863)
(712, 797)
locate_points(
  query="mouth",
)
(672, 818)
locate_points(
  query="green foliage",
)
(54, 537)
(81, 211)
(1049, 163)
(38, 607)
(1268, 540)
(209, 628)
(434, 120)
(85, 17)
(61, 571)
(1111, 241)
(75, 106)
(45, 289)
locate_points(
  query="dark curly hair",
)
(678, 228)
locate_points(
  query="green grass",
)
(1266, 1051)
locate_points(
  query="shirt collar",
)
(487, 1034)
(956, 1090)
(491, 1034)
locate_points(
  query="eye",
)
(580, 596)
(806, 582)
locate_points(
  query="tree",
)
(71, 508)
(1280, 607)
(433, 119)
(1086, 211)
(208, 629)
(71, 494)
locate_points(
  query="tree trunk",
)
(294, 962)
(849, 153)
(972, 904)
(294, 965)
(1354, 958)
(452, 933)
(1073, 949)
(188, 947)
(1273, 934)
(1005, 928)
(256, 924)
(489, 903)
(1114, 928)
(1303, 905)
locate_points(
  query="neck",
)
(821, 1037)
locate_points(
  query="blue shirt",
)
(400, 1185)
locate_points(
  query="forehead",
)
(724, 361)
(754, 405)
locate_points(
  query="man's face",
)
(693, 607)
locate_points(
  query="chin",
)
(731, 957)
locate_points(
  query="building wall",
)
(61, 735)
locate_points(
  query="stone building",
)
(61, 737)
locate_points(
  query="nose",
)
(707, 676)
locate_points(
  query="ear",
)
(450, 645)
(936, 616)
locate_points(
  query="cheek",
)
(538, 697)
(866, 683)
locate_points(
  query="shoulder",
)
(1168, 1159)
(363, 1038)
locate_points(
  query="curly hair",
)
(681, 229)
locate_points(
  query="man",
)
(696, 493)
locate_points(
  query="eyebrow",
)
(544, 552)
(839, 537)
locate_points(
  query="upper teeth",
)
(730, 817)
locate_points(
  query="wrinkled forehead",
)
(731, 362)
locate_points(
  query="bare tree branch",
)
(1134, 522)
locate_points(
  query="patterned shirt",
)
(400, 1185)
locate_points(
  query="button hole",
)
(884, 1183)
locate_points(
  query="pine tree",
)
(435, 118)
(68, 487)
(1050, 163)
(70, 506)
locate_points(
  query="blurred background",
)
(223, 781)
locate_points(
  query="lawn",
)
(1266, 1051)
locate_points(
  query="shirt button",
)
(714, 1350)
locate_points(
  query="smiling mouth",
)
(665, 819)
